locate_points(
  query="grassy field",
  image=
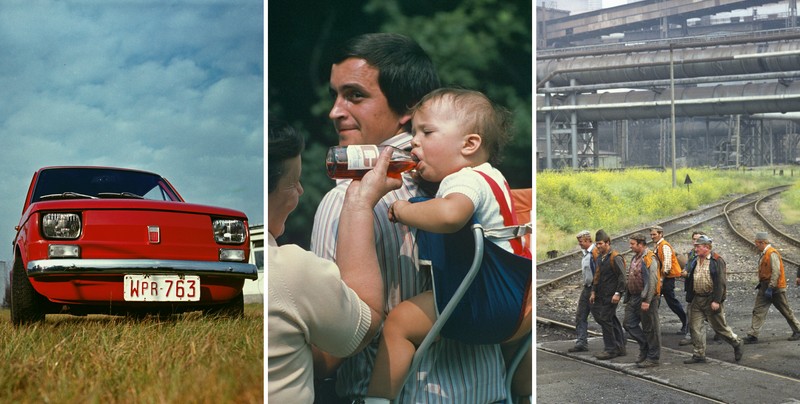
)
(104, 359)
(568, 202)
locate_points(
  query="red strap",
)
(509, 216)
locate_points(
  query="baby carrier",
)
(490, 290)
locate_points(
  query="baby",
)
(458, 134)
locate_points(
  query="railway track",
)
(746, 377)
(732, 224)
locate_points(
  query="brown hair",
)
(639, 238)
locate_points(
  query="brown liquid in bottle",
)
(340, 170)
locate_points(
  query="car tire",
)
(27, 305)
(231, 309)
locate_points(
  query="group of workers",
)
(639, 284)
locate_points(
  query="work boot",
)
(642, 357)
(750, 339)
(578, 348)
(695, 359)
(647, 363)
(621, 351)
(606, 355)
(795, 336)
(737, 352)
(686, 341)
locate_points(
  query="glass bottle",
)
(352, 162)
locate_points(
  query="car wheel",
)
(27, 306)
(232, 309)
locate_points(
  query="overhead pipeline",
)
(737, 59)
(739, 99)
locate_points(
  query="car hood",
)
(132, 204)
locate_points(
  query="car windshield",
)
(91, 183)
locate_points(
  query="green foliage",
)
(101, 359)
(483, 45)
(568, 202)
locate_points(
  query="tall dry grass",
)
(568, 202)
(104, 359)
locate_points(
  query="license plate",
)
(161, 288)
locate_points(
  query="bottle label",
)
(360, 157)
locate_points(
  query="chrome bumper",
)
(143, 266)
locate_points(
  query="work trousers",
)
(648, 335)
(762, 307)
(700, 307)
(668, 291)
(605, 314)
(582, 318)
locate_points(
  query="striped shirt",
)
(453, 372)
(667, 259)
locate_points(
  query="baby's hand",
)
(396, 206)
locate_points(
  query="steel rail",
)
(744, 237)
(570, 327)
(657, 381)
(793, 241)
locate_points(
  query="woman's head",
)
(284, 145)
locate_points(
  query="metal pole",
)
(736, 131)
(574, 127)
(548, 131)
(771, 137)
(672, 113)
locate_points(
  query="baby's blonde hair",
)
(477, 114)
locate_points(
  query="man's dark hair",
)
(405, 72)
(601, 235)
(284, 143)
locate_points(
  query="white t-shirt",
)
(472, 185)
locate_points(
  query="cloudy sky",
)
(173, 87)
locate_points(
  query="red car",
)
(119, 241)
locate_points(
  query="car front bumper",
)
(47, 267)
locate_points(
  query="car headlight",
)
(228, 231)
(61, 225)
